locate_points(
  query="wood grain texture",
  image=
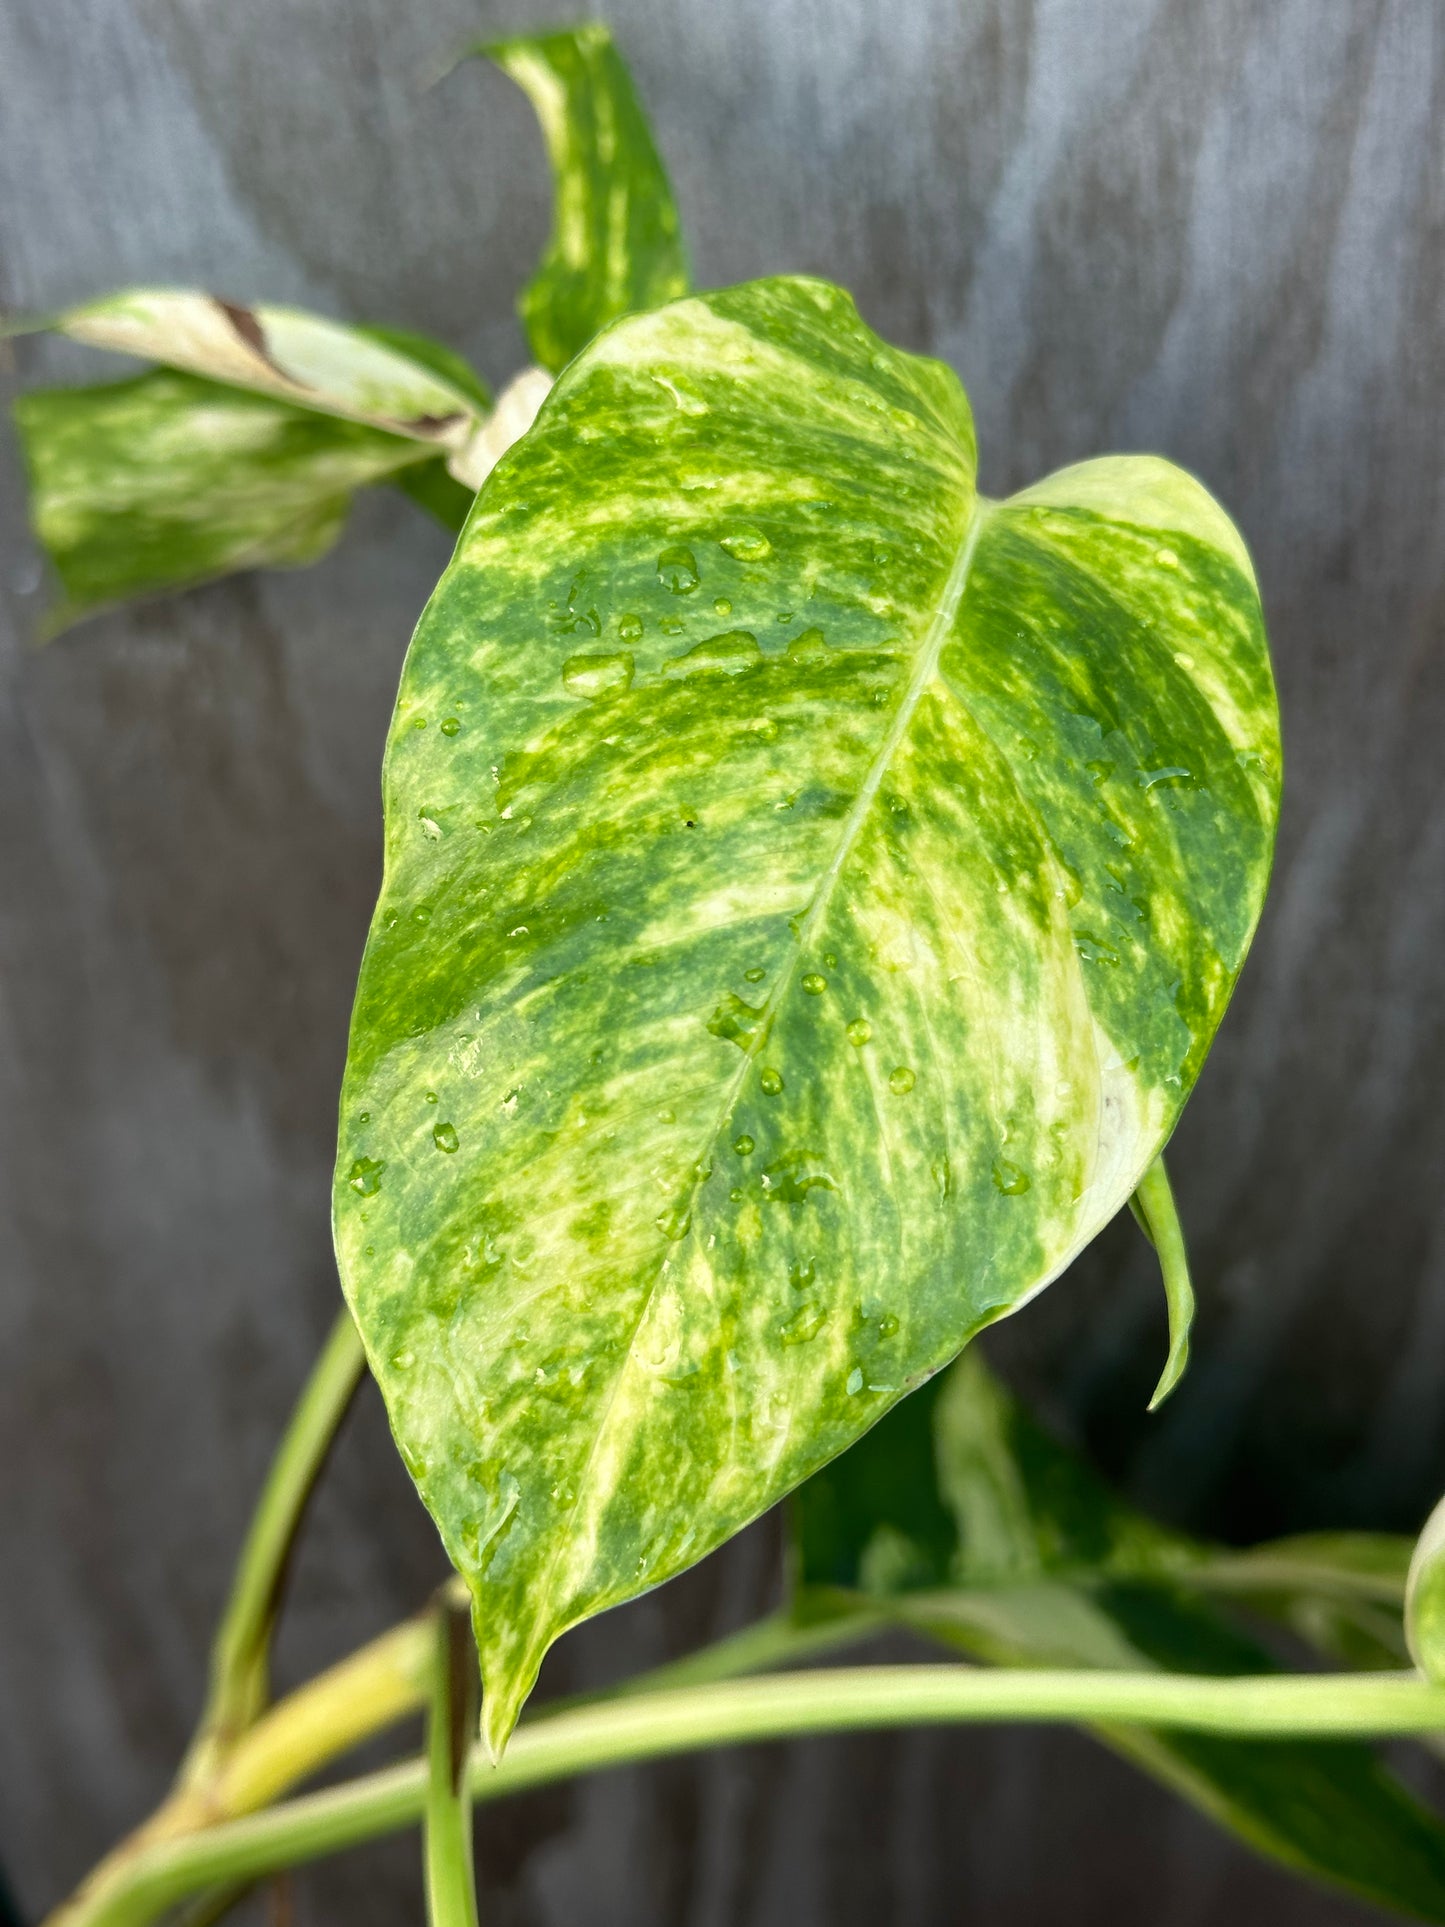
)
(1217, 232)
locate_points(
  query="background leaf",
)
(616, 244)
(809, 898)
(384, 377)
(139, 489)
(987, 1536)
(168, 480)
(244, 450)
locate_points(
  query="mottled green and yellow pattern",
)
(810, 892)
(616, 243)
(142, 486)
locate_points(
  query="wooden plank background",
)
(1216, 230)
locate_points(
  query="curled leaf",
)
(616, 244)
(1153, 1206)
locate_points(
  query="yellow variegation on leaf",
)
(810, 893)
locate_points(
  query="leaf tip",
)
(1175, 1367)
(502, 1704)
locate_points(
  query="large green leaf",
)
(616, 245)
(810, 892)
(168, 480)
(986, 1535)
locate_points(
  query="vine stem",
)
(451, 1884)
(380, 1684)
(240, 1656)
(647, 1726)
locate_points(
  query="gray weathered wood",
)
(1215, 230)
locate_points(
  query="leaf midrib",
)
(925, 670)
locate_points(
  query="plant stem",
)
(1153, 1206)
(240, 1656)
(835, 1700)
(778, 1640)
(451, 1885)
(375, 1687)
(367, 1692)
(1250, 1572)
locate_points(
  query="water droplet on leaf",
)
(677, 570)
(630, 628)
(450, 725)
(744, 1145)
(859, 1031)
(814, 984)
(746, 545)
(728, 654)
(675, 1223)
(684, 398)
(789, 1179)
(736, 1021)
(445, 1138)
(806, 1322)
(364, 1177)
(1172, 776)
(900, 1081)
(591, 676)
(1009, 1179)
(771, 1083)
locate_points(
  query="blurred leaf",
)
(1425, 1598)
(616, 245)
(1345, 1565)
(382, 377)
(445, 363)
(987, 1536)
(1340, 1592)
(753, 1010)
(168, 480)
(958, 1486)
(248, 455)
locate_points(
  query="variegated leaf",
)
(168, 480)
(810, 894)
(361, 374)
(616, 244)
(249, 453)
